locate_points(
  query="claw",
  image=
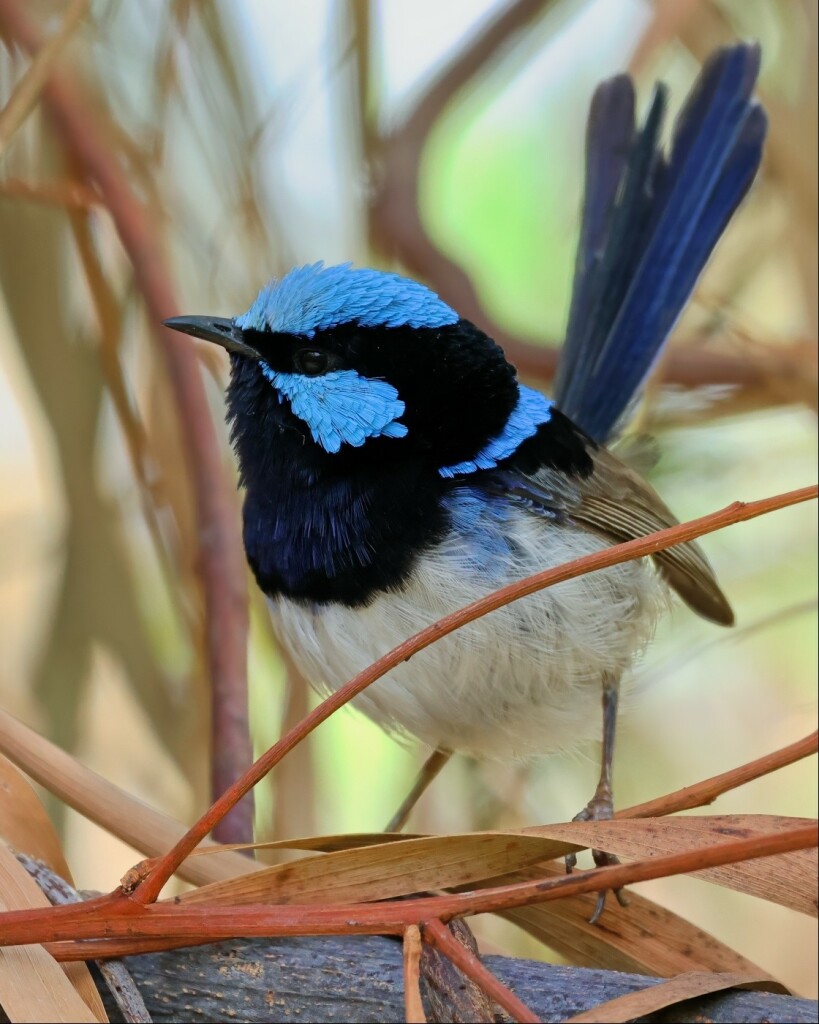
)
(599, 808)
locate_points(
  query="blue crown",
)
(316, 298)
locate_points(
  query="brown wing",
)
(621, 505)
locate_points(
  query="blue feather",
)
(341, 407)
(636, 276)
(532, 410)
(316, 298)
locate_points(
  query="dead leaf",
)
(790, 879)
(33, 986)
(394, 868)
(643, 938)
(676, 990)
(24, 824)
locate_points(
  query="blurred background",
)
(186, 152)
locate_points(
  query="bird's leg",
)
(433, 764)
(601, 805)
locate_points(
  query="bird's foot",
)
(599, 808)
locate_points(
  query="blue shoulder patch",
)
(341, 407)
(533, 410)
(316, 298)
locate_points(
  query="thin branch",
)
(707, 791)
(27, 91)
(70, 195)
(159, 872)
(439, 936)
(413, 1006)
(116, 975)
(124, 923)
(222, 563)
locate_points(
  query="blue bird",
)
(395, 469)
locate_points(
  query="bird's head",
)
(366, 365)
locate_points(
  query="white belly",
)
(523, 680)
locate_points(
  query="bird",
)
(395, 468)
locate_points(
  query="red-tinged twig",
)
(221, 564)
(116, 975)
(160, 871)
(27, 91)
(70, 195)
(413, 1007)
(439, 936)
(104, 921)
(707, 791)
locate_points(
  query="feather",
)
(617, 504)
(638, 264)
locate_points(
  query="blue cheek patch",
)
(341, 407)
(533, 410)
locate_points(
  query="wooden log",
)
(360, 979)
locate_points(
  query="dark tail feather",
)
(649, 227)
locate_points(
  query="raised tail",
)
(649, 226)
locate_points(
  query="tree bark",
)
(360, 979)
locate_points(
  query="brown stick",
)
(439, 936)
(707, 791)
(413, 1006)
(427, 775)
(222, 563)
(124, 923)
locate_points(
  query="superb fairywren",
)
(395, 469)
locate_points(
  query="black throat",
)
(321, 527)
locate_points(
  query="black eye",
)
(311, 361)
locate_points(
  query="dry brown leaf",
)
(24, 824)
(318, 844)
(395, 868)
(676, 990)
(789, 879)
(146, 829)
(33, 986)
(643, 938)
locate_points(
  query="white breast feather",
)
(521, 681)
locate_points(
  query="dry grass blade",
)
(69, 195)
(413, 1006)
(114, 972)
(145, 828)
(33, 986)
(318, 844)
(790, 880)
(676, 990)
(24, 824)
(25, 96)
(384, 871)
(645, 939)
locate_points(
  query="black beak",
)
(216, 329)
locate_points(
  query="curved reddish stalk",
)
(116, 917)
(162, 869)
(438, 935)
(707, 791)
